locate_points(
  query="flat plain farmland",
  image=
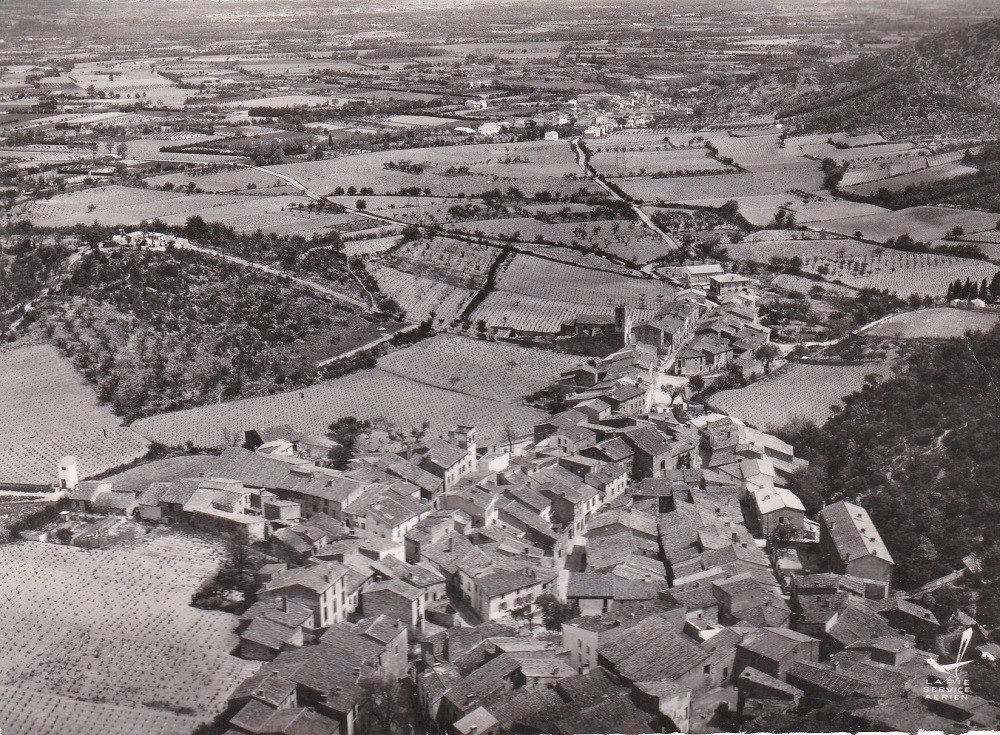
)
(636, 161)
(368, 394)
(505, 310)
(119, 205)
(941, 323)
(761, 251)
(106, 642)
(449, 170)
(798, 392)
(800, 176)
(531, 276)
(921, 223)
(419, 296)
(220, 179)
(493, 370)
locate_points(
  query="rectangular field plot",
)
(800, 176)
(921, 223)
(34, 463)
(493, 370)
(798, 392)
(506, 310)
(83, 629)
(449, 170)
(661, 160)
(923, 176)
(531, 276)
(369, 394)
(420, 297)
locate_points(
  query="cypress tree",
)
(967, 289)
(995, 286)
(973, 292)
(984, 290)
(956, 289)
(951, 292)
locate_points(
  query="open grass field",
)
(530, 276)
(493, 370)
(921, 223)
(105, 642)
(369, 394)
(799, 392)
(940, 323)
(632, 160)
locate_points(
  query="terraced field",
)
(368, 394)
(493, 370)
(106, 643)
(506, 310)
(799, 392)
(421, 297)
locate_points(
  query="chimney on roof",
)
(469, 697)
(585, 669)
(447, 545)
(473, 729)
(736, 537)
(284, 604)
(357, 671)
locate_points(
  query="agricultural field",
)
(799, 176)
(860, 265)
(941, 323)
(449, 170)
(368, 394)
(800, 391)
(34, 462)
(528, 275)
(453, 262)
(506, 310)
(105, 642)
(921, 223)
(923, 176)
(421, 297)
(222, 178)
(624, 161)
(625, 238)
(42, 397)
(493, 370)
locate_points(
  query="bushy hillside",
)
(947, 83)
(921, 452)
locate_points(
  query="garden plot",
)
(493, 370)
(923, 176)
(449, 170)
(368, 394)
(421, 297)
(505, 310)
(942, 323)
(799, 176)
(800, 391)
(921, 223)
(531, 276)
(106, 643)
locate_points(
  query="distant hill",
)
(947, 83)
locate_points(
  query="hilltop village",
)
(632, 565)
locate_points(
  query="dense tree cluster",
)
(988, 290)
(921, 451)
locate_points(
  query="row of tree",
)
(988, 290)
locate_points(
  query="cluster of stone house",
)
(711, 324)
(688, 564)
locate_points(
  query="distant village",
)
(628, 567)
